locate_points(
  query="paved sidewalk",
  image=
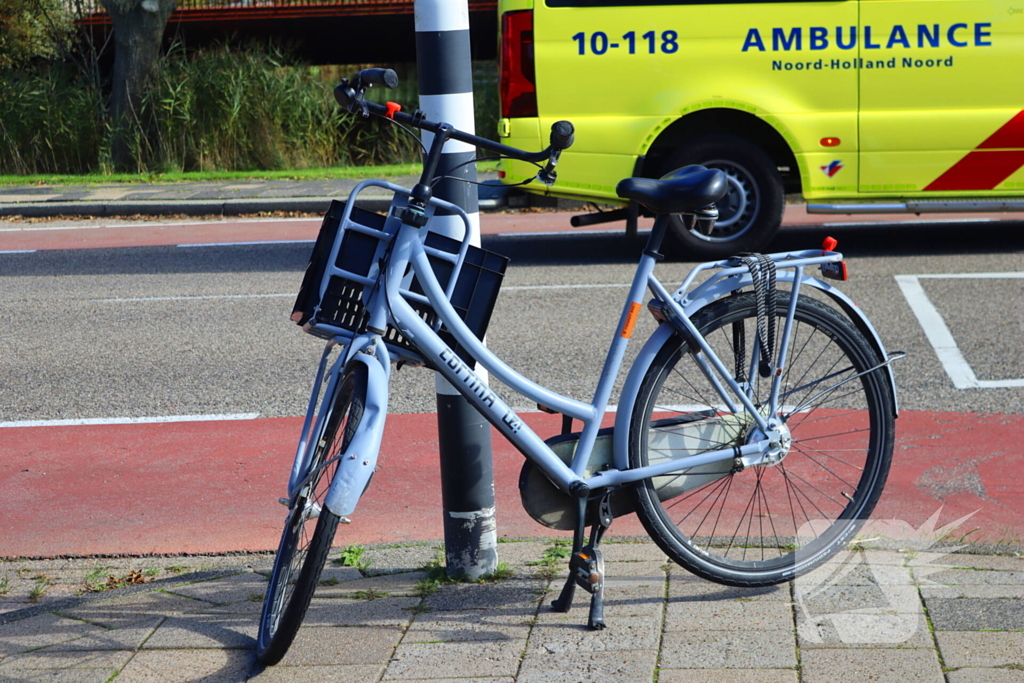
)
(885, 616)
(230, 198)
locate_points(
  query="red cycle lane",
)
(207, 487)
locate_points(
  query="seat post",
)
(657, 235)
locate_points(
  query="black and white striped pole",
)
(464, 436)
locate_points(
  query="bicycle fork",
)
(359, 460)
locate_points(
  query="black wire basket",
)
(342, 308)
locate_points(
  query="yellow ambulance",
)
(858, 105)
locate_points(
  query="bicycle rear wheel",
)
(310, 527)
(764, 524)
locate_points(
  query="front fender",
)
(359, 460)
(697, 299)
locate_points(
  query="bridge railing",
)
(96, 6)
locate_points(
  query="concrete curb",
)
(210, 207)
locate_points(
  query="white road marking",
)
(241, 244)
(289, 295)
(905, 221)
(103, 226)
(198, 297)
(939, 336)
(19, 251)
(129, 420)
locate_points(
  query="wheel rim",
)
(738, 209)
(774, 518)
(301, 524)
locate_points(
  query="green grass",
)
(339, 172)
(352, 556)
(40, 588)
(205, 176)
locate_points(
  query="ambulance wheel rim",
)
(738, 209)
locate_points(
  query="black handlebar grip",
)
(367, 77)
(562, 135)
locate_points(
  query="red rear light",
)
(518, 89)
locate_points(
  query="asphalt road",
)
(166, 330)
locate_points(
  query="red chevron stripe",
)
(979, 171)
(1010, 136)
(994, 160)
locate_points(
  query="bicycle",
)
(710, 457)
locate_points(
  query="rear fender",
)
(359, 460)
(697, 299)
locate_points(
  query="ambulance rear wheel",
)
(749, 215)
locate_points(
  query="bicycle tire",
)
(838, 429)
(287, 599)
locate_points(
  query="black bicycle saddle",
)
(687, 189)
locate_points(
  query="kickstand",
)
(586, 566)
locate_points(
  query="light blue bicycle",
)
(753, 434)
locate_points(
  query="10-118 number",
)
(667, 42)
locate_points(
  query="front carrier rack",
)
(346, 261)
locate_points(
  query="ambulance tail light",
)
(518, 90)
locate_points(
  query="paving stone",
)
(332, 573)
(204, 631)
(617, 666)
(644, 551)
(892, 557)
(624, 633)
(615, 607)
(986, 676)
(125, 638)
(359, 673)
(976, 614)
(854, 630)
(875, 665)
(728, 649)
(975, 577)
(61, 676)
(111, 659)
(858, 574)
(991, 591)
(130, 609)
(687, 587)
(728, 616)
(194, 666)
(985, 649)
(897, 599)
(450, 627)
(433, 660)
(728, 676)
(517, 593)
(349, 612)
(403, 584)
(402, 559)
(340, 645)
(522, 553)
(225, 591)
(487, 679)
(40, 631)
(999, 562)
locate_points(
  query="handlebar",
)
(349, 94)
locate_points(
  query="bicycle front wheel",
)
(310, 527)
(765, 524)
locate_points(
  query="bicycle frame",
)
(387, 304)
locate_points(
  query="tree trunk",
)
(138, 36)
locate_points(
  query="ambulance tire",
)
(749, 215)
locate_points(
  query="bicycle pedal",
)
(587, 569)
